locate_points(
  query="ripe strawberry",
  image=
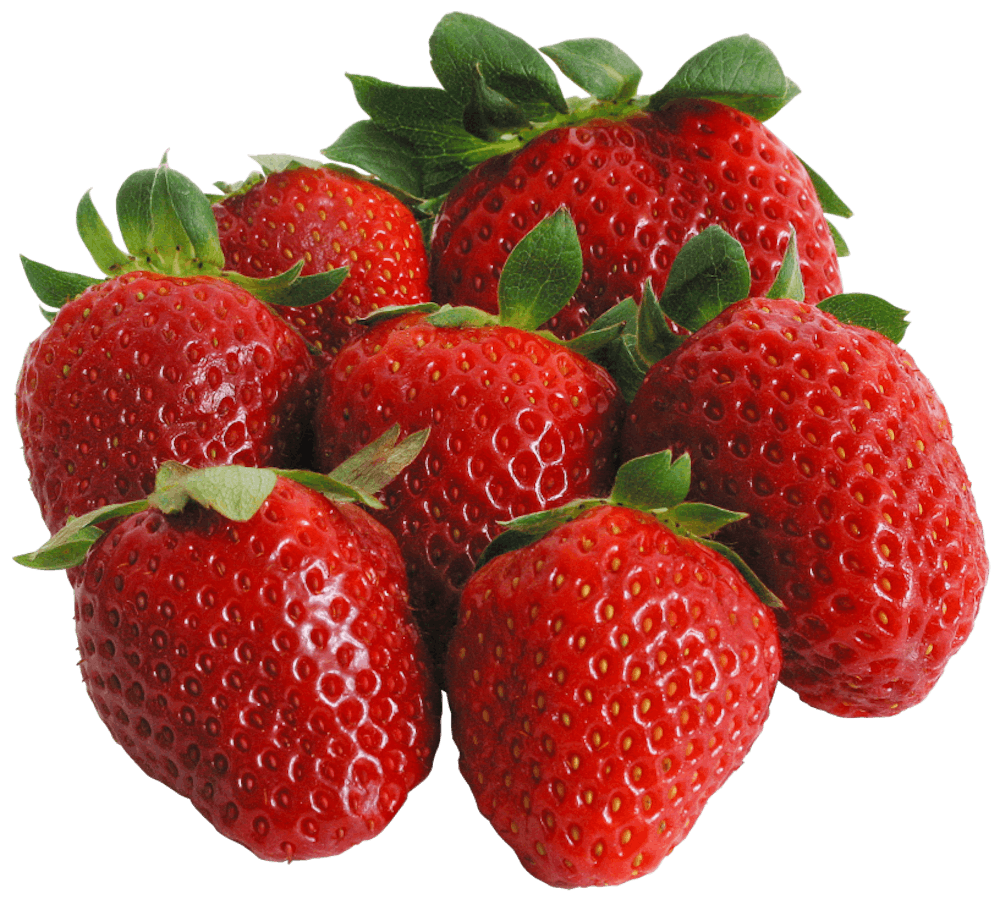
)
(639, 175)
(147, 366)
(604, 682)
(861, 516)
(329, 219)
(262, 663)
(519, 423)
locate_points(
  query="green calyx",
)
(538, 279)
(168, 227)
(657, 484)
(709, 274)
(236, 492)
(496, 93)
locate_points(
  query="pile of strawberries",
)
(560, 409)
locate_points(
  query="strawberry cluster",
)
(555, 405)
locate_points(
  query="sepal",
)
(740, 72)
(599, 67)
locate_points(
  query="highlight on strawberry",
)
(246, 637)
(815, 422)
(497, 147)
(610, 669)
(165, 357)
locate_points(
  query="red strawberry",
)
(861, 516)
(638, 189)
(329, 219)
(144, 367)
(262, 663)
(604, 682)
(519, 423)
(639, 175)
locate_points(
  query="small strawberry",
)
(861, 516)
(164, 359)
(520, 422)
(304, 211)
(247, 641)
(639, 175)
(606, 679)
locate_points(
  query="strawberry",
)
(606, 679)
(247, 641)
(327, 218)
(861, 515)
(520, 423)
(165, 359)
(639, 175)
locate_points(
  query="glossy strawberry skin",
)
(518, 424)
(861, 516)
(269, 671)
(638, 189)
(328, 220)
(604, 683)
(145, 368)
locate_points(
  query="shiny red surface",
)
(604, 683)
(637, 189)
(861, 518)
(269, 671)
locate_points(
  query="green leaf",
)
(541, 274)
(489, 114)
(279, 163)
(741, 72)
(594, 340)
(621, 357)
(462, 43)
(702, 519)
(234, 491)
(135, 212)
(709, 273)
(372, 148)
(429, 121)
(290, 289)
(868, 311)
(95, 234)
(526, 529)
(459, 316)
(381, 461)
(839, 245)
(652, 482)
(599, 67)
(69, 545)
(654, 338)
(764, 593)
(829, 200)
(387, 313)
(788, 282)
(184, 230)
(55, 287)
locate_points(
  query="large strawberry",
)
(328, 218)
(861, 516)
(639, 175)
(520, 422)
(247, 640)
(606, 679)
(163, 359)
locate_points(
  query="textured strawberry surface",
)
(604, 683)
(518, 423)
(638, 189)
(267, 670)
(145, 368)
(328, 220)
(861, 516)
